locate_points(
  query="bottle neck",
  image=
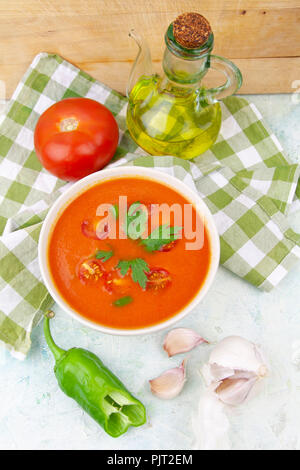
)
(186, 67)
(184, 72)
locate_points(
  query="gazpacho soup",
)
(129, 252)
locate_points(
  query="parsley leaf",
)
(122, 301)
(104, 255)
(138, 269)
(161, 236)
(123, 266)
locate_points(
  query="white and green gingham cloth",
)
(245, 180)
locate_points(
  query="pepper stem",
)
(56, 351)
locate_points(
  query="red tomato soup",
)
(147, 287)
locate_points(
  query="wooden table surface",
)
(261, 37)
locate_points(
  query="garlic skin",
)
(180, 340)
(234, 367)
(170, 383)
(210, 424)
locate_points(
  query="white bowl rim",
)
(118, 172)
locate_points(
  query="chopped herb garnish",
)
(123, 301)
(161, 236)
(104, 255)
(138, 269)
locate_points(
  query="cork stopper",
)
(191, 30)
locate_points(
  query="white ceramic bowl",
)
(80, 186)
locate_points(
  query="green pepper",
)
(82, 376)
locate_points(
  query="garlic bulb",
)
(181, 340)
(234, 367)
(170, 383)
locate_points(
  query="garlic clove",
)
(181, 340)
(213, 373)
(237, 353)
(233, 391)
(219, 372)
(170, 383)
(243, 374)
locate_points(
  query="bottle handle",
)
(232, 73)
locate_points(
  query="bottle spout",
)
(142, 65)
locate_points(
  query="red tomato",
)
(95, 228)
(158, 278)
(75, 137)
(91, 270)
(116, 283)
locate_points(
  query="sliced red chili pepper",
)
(114, 282)
(168, 246)
(95, 228)
(91, 270)
(158, 278)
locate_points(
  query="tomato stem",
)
(68, 124)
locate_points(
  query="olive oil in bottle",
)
(174, 114)
(170, 122)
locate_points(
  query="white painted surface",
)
(35, 414)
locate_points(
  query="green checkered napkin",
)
(244, 179)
